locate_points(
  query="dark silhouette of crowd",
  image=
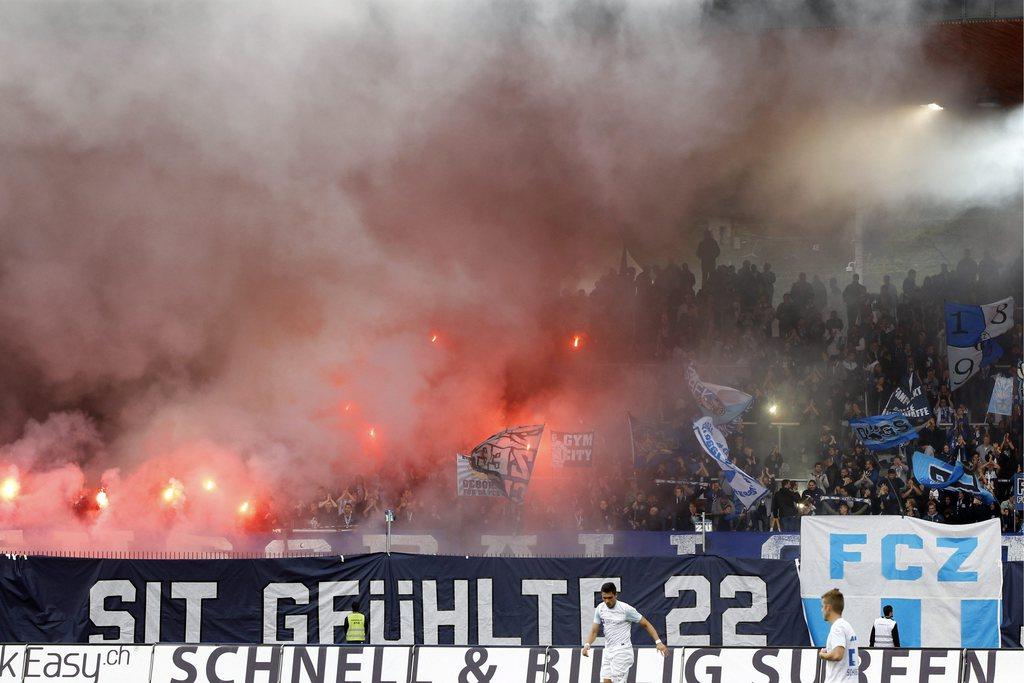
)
(820, 354)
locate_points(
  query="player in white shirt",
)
(842, 663)
(617, 618)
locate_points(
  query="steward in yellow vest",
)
(355, 626)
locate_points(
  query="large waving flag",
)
(745, 488)
(909, 400)
(653, 443)
(933, 473)
(970, 337)
(881, 432)
(722, 404)
(501, 465)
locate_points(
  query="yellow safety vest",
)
(356, 632)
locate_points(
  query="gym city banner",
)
(441, 600)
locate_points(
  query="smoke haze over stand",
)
(221, 223)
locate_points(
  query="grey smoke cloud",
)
(221, 222)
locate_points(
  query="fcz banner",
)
(572, 449)
(944, 581)
(408, 599)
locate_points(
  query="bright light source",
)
(932, 106)
(168, 494)
(373, 432)
(209, 485)
(773, 408)
(577, 342)
(9, 488)
(244, 508)
(433, 338)
(101, 499)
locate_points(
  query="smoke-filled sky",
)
(222, 223)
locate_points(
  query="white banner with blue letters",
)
(943, 581)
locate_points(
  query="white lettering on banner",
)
(950, 576)
(589, 589)
(485, 616)
(421, 544)
(12, 661)
(594, 544)
(104, 617)
(406, 626)
(316, 545)
(686, 544)
(677, 616)
(734, 616)
(152, 631)
(519, 546)
(772, 548)
(85, 663)
(545, 590)
(193, 593)
(118, 619)
(434, 618)
(294, 624)
(329, 618)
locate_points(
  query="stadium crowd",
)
(821, 353)
(825, 354)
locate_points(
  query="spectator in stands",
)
(854, 297)
(347, 519)
(707, 254)
(932, 514)
(784, 502)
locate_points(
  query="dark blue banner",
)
(1012, 624)
(407, 598)
(882, 432)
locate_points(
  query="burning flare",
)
(9, 488)
(102, 501)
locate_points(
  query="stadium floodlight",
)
(932, 106)
(773, 408)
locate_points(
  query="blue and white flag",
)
(722, 404)
(745, 488)
(1001, 402)
(970, 337)
(910, 401)
(882, 432)
(653, 443)
(933, 473)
